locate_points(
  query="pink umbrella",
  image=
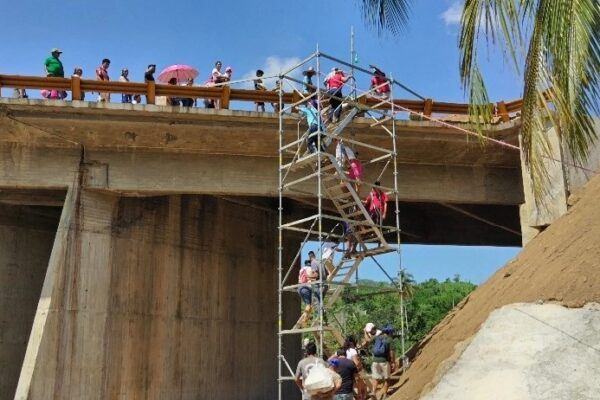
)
(181, 72)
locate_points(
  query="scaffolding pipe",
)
(280, 257)
(366, 71)
(398, 238)
(344, 196)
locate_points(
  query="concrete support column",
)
(168, 297)
(565, 177)
(536, 216)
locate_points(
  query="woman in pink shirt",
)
(334, 83)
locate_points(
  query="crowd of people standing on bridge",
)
(334, 82)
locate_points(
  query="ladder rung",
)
(354, 214)
(303, 330)
(301, 162)
(344, 195)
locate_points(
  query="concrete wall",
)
(577, 177)
(564, 178)
(158, 298)
(25, 243)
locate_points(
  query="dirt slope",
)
(561, 265)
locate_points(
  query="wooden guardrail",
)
(226, 94)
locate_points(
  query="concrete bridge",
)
(138, 242)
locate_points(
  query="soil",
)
(561, 265)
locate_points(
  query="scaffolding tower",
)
(338, 212)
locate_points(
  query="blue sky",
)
(244, 34)
(270, 35)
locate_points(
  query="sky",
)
(271, 35)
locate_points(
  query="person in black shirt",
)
(349, 373)
(149, 74)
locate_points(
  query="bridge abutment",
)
(156, 297)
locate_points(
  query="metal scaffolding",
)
(306, 176)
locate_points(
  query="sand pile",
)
(561, 265)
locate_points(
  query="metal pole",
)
(366, 71)
(352, 56)
(280, 254)
(397, 212)
(319, 203)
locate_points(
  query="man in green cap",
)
(53, 65)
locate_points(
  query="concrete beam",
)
(167, 129)
(149, 173)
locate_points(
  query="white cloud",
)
(274, 65)
(452, 15)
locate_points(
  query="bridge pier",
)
(156, 297)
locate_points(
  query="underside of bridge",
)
(138, 248)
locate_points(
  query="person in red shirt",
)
(334, 83)
(376, 204)
(102, 75)
(380, 85)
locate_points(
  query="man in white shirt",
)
(327, 253)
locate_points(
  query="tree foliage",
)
(430, 302)
(556, 43)
(386, 15)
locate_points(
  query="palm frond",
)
(496, 21)
(562, 64)
(386, 15)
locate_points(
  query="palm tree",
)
(386, 15)
(557, 42)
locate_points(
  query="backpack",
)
(380, 347)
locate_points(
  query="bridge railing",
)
(226, 94)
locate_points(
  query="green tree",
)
(429, 303)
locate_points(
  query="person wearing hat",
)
(384, 361)
(53, 66)
(348, 371)
(309, 88)
(370, 332)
